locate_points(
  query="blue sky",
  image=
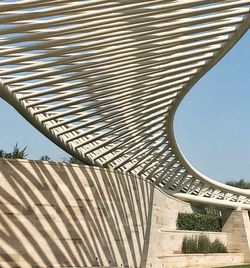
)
(16, 129)
(212, 124)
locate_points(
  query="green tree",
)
(45, 158)
(2, 153)
(73, 160)
(239, 184)
(17, 153)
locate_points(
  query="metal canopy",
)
(103, 79)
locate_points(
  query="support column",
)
(236, 224)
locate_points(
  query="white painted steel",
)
(103, 79)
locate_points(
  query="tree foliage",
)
(241, 183)
(198, 222)
(202, 244)
(73, 160)
(45, 158)
(17, 153)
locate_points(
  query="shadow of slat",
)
(75, 216)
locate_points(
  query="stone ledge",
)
(200, 260)
(201, 255)
(192, 232)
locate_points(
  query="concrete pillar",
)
(236, 224)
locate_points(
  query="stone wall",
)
(237, 226)
(68, 215)
(175, 238)
(199, 260)
(62, 215)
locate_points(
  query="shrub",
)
(189, 245)
(198, 222)
(202, 244)
(73, 160)
(106, 165)
(218, 247)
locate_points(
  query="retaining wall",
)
(69, 215)
(62, 215)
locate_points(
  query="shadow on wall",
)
(69, 215)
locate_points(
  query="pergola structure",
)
(103, 79)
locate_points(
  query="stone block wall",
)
(55, 215)
(62, 215)
(199, 260)
(175, 238)
(237, 226)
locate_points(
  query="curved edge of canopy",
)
(234, 38)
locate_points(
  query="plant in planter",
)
(202, 244)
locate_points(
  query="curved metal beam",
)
(103, 80)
